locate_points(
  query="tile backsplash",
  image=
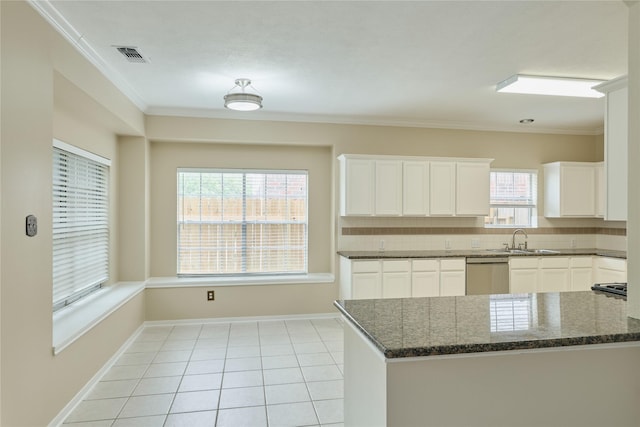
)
(465, 237)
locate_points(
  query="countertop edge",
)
(485, 253)
(479, 348)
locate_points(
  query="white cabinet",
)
(415, 188)
(581, 272)
(452, 277)
(554, 275)
(442, 180)
(472, 188)
(569, 189)
(388, 188)
(615, 147)
(364, 279)
(609, 270)
(356, 187)
(425, 278)
(396, 279)
(523, 275)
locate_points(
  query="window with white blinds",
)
(80, 223)
(513, 198)
(241, 222)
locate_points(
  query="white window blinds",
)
(513, 202)
(80, 223)
(241, 222)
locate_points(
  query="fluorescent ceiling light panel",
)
(542, 85)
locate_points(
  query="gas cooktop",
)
(611, 288)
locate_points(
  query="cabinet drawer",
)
(524, 262)
(425, 265)
(612, 263)
(399, 265)
(452, 264)
(554, 262)
(365, 266)
(581, 262)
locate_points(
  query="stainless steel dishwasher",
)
(488, 275)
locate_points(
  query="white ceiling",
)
(420, 63)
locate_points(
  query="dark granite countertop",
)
(475, 253)
(412, 327)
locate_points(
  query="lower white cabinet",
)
(554, 274)
(550, 274)
(425, 278)
(396, 279)
(581, 272)
(608, 270)
(453, 277)
(523, 275)
(366, 279)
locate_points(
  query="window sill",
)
(172, 282)
(72, 322)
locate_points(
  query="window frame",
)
(244, 172)
(101, 220)
(533, 207)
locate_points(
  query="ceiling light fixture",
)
(543, 85)
(242, 100)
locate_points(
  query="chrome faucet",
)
(513, 238)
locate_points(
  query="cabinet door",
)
(366, 286)
(452, 283)
(554, 280)
(581, 279)
(396, 285)
(442, 187)
(472, 188)
(358, 187)
(577, 190)
(425, 284)
(522, 281)
(415, 188)
(388, 187)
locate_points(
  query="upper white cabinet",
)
(569, 189)
(443, 189)
(356, 187)
(615, 147)
(472, 188)
(388, 188)
(413, 186)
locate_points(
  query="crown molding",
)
(60, 24)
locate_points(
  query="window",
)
(513, 199)
(80, 223)
(242, 222)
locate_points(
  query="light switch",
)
(32, 225)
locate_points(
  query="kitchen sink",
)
(525, 251)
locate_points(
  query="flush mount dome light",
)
(544, 85)
(241, 100)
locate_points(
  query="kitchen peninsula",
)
(540, 359)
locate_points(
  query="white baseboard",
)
(79, 397)
(315, 316)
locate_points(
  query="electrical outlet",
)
(211, 295)
(381, 247)
(574, 243)
(475, 243)
(447, 244)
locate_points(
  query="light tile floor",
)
(254, 373)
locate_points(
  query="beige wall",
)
(40, 78)
(49, 90)
(166, 158)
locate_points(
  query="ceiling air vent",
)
(131, 53)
